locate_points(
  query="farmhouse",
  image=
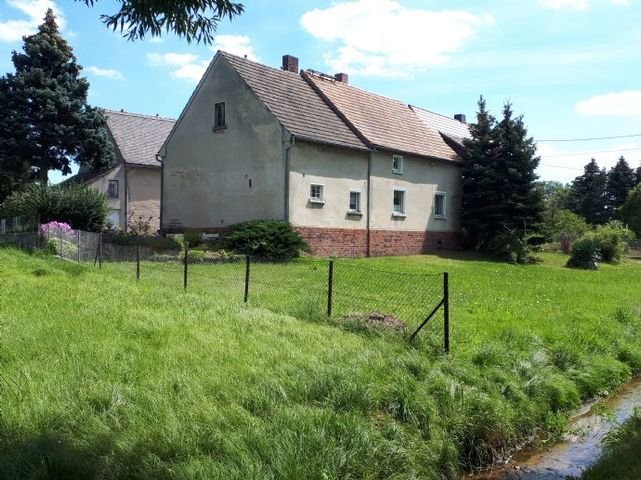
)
(356, 173)
(132, 186)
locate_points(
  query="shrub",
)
(516, 246)
(613, 241)
(564, 225)
(631, 210)
(193, 239)
(585, 253)
(79, 205)
(266, 238)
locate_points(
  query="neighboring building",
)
(133, 185)
(356, 173)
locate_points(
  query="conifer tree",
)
(621, 179)
(588, 194)
(48, 121)
(500, 192)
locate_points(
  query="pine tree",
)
(479, 178)
(621, 179)
(500, 192)
(637, 176)
(48, 121)
(588, 194)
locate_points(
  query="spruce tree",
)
(48, 122)
(621, 179)
(637, 176)
(479, 178)
(588, 194)
(500, 192)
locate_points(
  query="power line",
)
(590, 139)
(559, 166)
(592, 153)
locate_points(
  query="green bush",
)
(266, 238)
(193, 239)
(564, 224)
(82, 207)
(516, 246)
(585, 253)
(153, 242)
(613, 241)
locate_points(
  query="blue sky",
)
(572, 67)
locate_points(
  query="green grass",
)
(621, 459)
(103, 377)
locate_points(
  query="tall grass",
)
(103, 377)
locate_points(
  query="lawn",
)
(105, 377)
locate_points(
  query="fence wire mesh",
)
(19, 232)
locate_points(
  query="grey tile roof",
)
(295, 104)
(386, 123)
(442, 124)
(138, 137)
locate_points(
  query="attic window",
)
(112, 189)
(397, 164)
(219, 116)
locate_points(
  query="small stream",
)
(576, 451)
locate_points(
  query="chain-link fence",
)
(349, 291)
(20, 232)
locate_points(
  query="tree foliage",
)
(631, 211)
(47, 119)
(588, 194)
(499, 184)
(621, 179)
(193, 20)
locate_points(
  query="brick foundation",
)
(353, 243)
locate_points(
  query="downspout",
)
(161, 159)
(369, 201)
(126, 198)
(288, 146)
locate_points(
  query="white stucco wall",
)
(421, 179)
(214, 179)
(115, 204)
(338, 170)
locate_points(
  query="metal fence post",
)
(100, 250)
(330, 288)
(60, 235)
(78, 246)
(137, 258)
(185, 265)
(446, 312)
(247, 264)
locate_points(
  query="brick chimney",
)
(342, 77)
(290, 63)
(460, 117)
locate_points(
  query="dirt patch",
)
(378, 320)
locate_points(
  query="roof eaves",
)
(333, 144)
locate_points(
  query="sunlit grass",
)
(105, 377)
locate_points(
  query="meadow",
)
(105, 377)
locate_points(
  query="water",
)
(578, 449)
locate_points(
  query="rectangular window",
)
(316, 194)
(399, 203)
(219, 115)
(355, 201)
(397, 164)
(439, 204)
(112, 189)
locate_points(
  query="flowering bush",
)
(57, 242)
(53, 228)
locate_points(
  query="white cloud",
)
(619, 104)
(237, 45)
(105, 72)
(384, 38)
(577, 4)
(14, 30)
(188, 66)
(183, 65)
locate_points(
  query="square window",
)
(112, 189)
(399, 202)
(439, 204)
(355, 201)
(316, 194)
(219, 115)
(397, 164)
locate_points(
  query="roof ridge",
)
(433, 112)
(139, 115)
(227, 54)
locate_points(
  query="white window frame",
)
(357, 211)
(320, 199)
(442, 195)
(399, 170)
(402, 213)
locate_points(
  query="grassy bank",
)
(621, 459)
(103, 377)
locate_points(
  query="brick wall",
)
(353, 243)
